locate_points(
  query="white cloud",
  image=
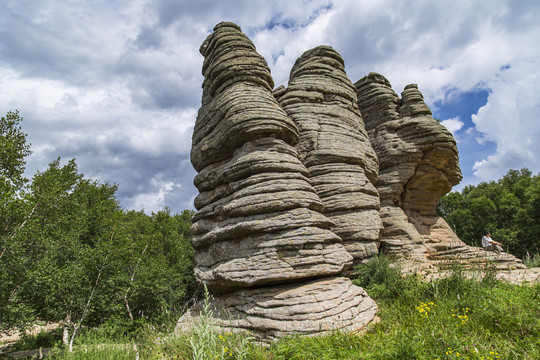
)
(153, 199)
(117, 84)
(453, 124)
(510, 120)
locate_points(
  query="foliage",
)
(13, 150)
(451, 318)
(509, 208)
(383, 277)
(43, 339)
(532, 261)
(70, 254)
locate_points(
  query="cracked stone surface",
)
(314, 307)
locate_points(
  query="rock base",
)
(271, 313)
(474, 262)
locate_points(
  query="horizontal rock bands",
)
(273, 312)
(336, 183)
(255, 204)
(334, 144)
(259, 243)
(219, 133)
(228, 54)
(207, 231)
(350, 201)
(274, 265)
(254, 184)
(362, 249)
(264, 155)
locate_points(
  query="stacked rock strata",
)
(313, 307)
(335, 148)
(418, 163)
(259, 222)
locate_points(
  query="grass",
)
(43, 339)
(532, 262)
(450, 318)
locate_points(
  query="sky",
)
(116, 84)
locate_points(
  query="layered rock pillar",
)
(335, 148)
(418, 163)
(262, 245)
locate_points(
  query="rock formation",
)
(334, 147)
(294, 189)
(259, 220)
(313, 307)
(418, 163)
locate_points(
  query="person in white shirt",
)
(489, 244)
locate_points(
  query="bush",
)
(382, 279)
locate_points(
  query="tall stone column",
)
(262, 245)
(335, 148)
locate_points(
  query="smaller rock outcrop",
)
(418, 163)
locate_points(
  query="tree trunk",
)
(65, 332)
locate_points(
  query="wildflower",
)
(425, 308)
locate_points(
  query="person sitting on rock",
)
(489, 244)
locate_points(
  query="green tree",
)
(13, 151)
(69, 253)
(14, 215)
(509, 208)
(158, 280)
(66, 245)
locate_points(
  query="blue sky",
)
(116, 84)
(457, 113)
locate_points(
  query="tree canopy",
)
(509, 208)
(70, 254)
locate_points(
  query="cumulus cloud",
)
(453, 124)
(117, 84)
(152, 199)
(510, 120)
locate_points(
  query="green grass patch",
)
(532, 262)
(451, 318)
(43, 339)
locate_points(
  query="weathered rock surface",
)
(418, 163)
(263, 246)
(258, 219)
(470, 257)
(472, 262)
(294, 189)
(272, 312)
(335, 148)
